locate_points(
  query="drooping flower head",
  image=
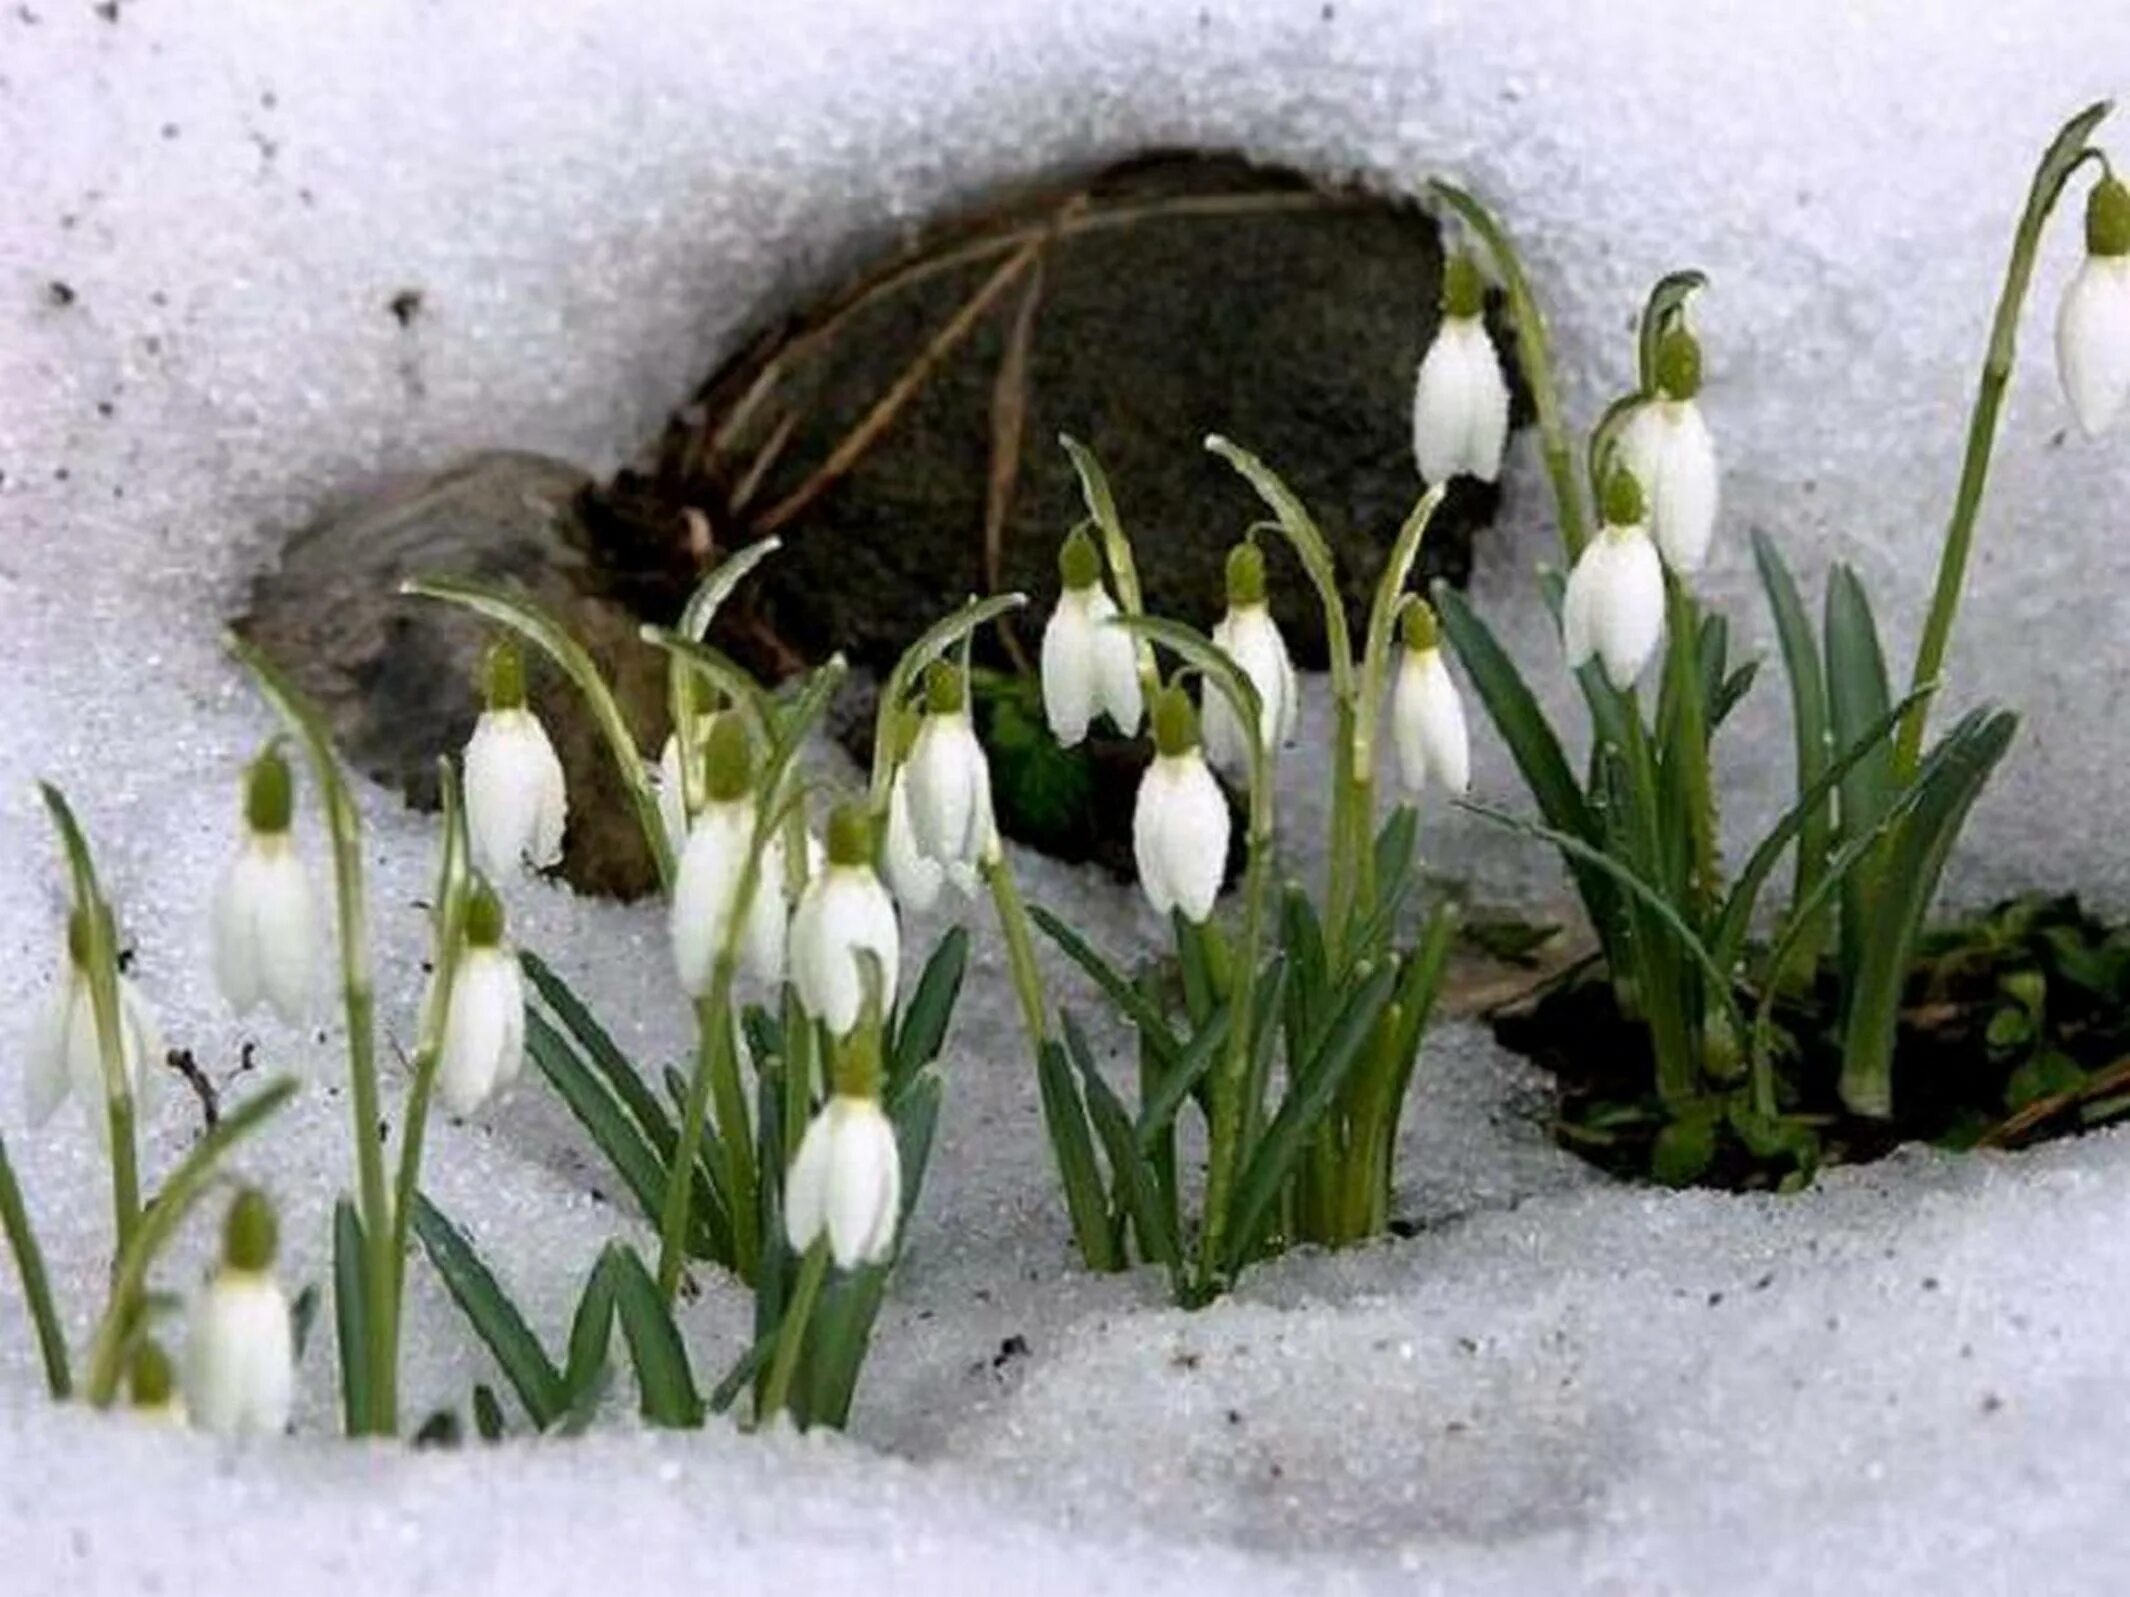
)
(1180, 820)
(2093, 322)
(1614, 607)
(1667, 446)
(151, 1385)
(483, 1045)
(240, 1362)
(1426, 714)
(844, 912)
(1089, 668)
(516, 806)
(949, 780)
(846, 1181)
(707, 884)
(1460, 399)
(65, 1054)
(1249, 635)
(265, 921)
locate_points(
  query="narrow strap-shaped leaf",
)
(351, 1319)
(1857, 697)
(590, 1332)
(711, 593)
(1193, 966)
(1127, 999)
(489, 1310)
(1301, 531)
(742, 1374)
(1418, 985)
(592, 1039)
(1809, 729)
(1071, 1142)
(1272, 1161)
(600, 1113)
(36, 1284)
(664, 1382)
(488, 1414)
(922, 1030)
(1136, 1182)
(1177, 1083)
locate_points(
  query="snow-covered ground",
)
(1907, 1379)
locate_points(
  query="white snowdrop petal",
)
(1629, 611)
(1148, 853)
(1668, 447)
(2093, 341)
(1180, 835)
(235, 939)
(843, 910)
(806, 1186)
(914, 879)
(704, 888)
(1427, 722)
(1068, 669)
(1489, 401)
(483, 1032)
(1460, 404)
(854, 1183)
(240, 1356)
(1578, 638)
(285, 925)
(44, 1078)
(516, 804)
(1116, 660)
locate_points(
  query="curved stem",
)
(2062, 158)
(791, 1335)
(1020, 947)
(36, 1285)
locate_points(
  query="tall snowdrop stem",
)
(187, 1184)
(1231, 1075)
(452, 882)
(1682, 627)
(791, 1334)
(344, 829)
(1013, 926)
(2065, 154)
(1116, 549)
(98, 956)
(1535, 357)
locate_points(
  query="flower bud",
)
(948, 779)
(1180, 819)
(516, 805)
(1460, 398)
(1427, 716)
(65, 1052)
(2093, 321)
(1250, 637)
(265, 921)
(483, 1043)
(846, 1182)
(240, 1361)
(844, 912)
(1089, 667)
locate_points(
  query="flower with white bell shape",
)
(1251, 638)
(1426, 714)
(265, 918)
(240, 1348)
(706, 887)
(675, 803)
(516, 805)
(949, 778)
(843, 913)
(1180, 820)
(914, 879)
(1668, 447)
(1614, 608)
(66, 1051)
(2093, 322)
(483, 1043)
(846, 1181)
(1089, 667)
(151, 1385)
(1461, 400)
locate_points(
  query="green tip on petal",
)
(850, 835)
(484, 916)
(944, 693)
(1464, 286)
(1079, 561)
(1421, 633)
(503, 675)
(1246, 575)
(1678, 364)
(1175, 722)
(269, 792)
(728, 760)
(1623, 499)
(149, 1377)
(251, 1234)
(2108, 218)
(78, 938)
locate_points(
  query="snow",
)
(1907, 1379)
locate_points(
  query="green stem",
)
(715, 1071)
(791, 1335)
(1684, 648)
(2063, 157)
(36, 1285)
(1020, 947)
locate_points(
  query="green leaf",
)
(711, 593)
(1073, 1147)
(36, 1284)
(1301, 531)
(1686, 1147)
(591, 1330)
(488, 1309)
(922, 1030)
(1178, 1082)
(351, 1319)
(1307, 1100)
(1152, 1028)
(1136, 1182)
(1206, 657)
(1808, 711)
(1857, 699)
(487, 1413)
(599, 1048)
(664, 1382)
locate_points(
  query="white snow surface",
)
(1908, 1379)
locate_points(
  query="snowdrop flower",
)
(2093, 323)
(1426, 715)
(913, 879)
(1252, 639)
(949, 781)
(151, 1385)
(1666, 444)
(265, 922)
(483, 1043)
(1461, 401)
(240, 1355)
(846, 1181)
(706, 887)
(1180, 820)
(65, 1053)
(515, 803)
(1089, 667)
(1614, 608)
(672, 786)
(843, 912)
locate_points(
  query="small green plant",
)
(1876, 815)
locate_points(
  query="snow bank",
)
(1911, 1374)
